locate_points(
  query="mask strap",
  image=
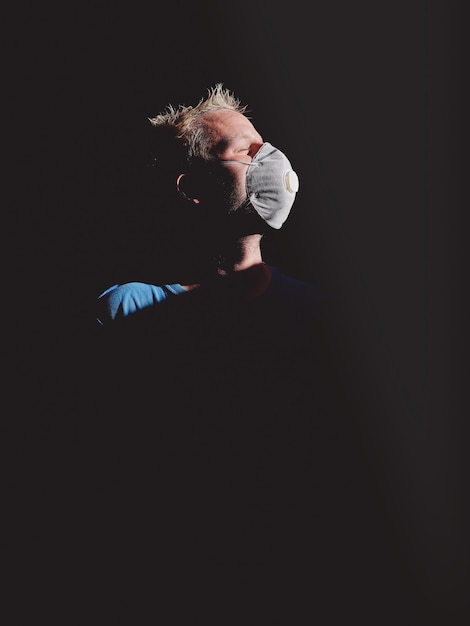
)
(256, 163)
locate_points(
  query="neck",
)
(245, 253)
(240, 256)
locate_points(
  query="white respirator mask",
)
(271, 184)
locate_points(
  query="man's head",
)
(187, 122)
(210, 148)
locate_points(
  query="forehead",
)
(226, 126)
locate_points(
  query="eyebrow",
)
(223, 143)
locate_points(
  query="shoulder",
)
(294, 292)
(123, 300)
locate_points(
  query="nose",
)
(255, 148)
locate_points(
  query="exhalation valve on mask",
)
(271, 184)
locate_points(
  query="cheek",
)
(239, 187)
(238, 183)
(232, 186)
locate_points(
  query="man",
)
(233, 338)
(221, 318)
(219, 307)
(238, 187)
(216, 397)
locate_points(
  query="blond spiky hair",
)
(185, 121)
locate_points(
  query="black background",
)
(368, 101)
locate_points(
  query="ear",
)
(184, 188)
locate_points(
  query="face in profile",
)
(234, 138)
(209, 221)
